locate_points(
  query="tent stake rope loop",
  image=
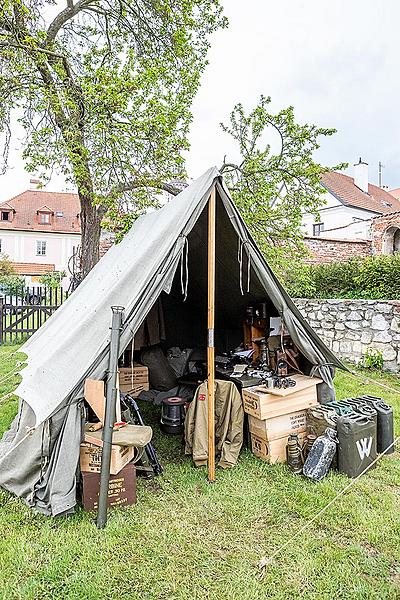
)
(265, 561)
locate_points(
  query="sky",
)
(337, 62)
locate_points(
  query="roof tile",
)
(343, 187)
(27, 205)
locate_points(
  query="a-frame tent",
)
(164, 255)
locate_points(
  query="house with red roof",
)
(357, 219)
(39, 231)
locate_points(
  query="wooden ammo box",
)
(264, 403)
(90, 458)
(278, 427)
(272, 451)
(121, 488)
(133, 379)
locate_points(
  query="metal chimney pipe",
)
(109, 419)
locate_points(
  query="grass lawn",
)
(186, 538)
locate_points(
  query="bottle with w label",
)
(357, 443)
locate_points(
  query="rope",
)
(374, 382)
(5, 397)
(265, 561)
(184, 259)
(11, 373)
(29, 431)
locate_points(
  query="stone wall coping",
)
(321, 238)
(347, 301)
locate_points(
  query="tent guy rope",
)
(266, 561)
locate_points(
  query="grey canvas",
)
(73, 344)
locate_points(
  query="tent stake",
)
(109, 418)
(210, 340)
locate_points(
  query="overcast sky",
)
(336, 61)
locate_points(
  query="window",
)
(5, 215)
(40, 248)
(44, 218)
(59, 213)
(318, 228)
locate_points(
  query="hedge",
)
(375, 277)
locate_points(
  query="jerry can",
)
(357, 443)
(362, 408)
(385, 425)
(319, 418)
(341, 407)
(320, 457)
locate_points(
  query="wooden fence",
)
(25, 310)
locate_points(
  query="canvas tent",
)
(164, 254)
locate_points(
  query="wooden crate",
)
(272, 451)
(137, 374)
(121, 488)
(263, 403)
(134, 391)
(90, 458)
(278, 427)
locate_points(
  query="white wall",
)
(21, 247)
(340, 221)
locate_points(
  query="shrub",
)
(10, 284)
(375, 278)
(379, 277)
(52, 279)
(373, 359)
(336, 280)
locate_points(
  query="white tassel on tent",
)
(184, 259)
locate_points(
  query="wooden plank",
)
(210, 336)
(94, 396)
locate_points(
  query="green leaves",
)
(104, 92)
(277, 179)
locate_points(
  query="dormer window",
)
(6, 212)
(44, 218)
(45, 215)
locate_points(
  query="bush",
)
(52, 279)
(373, 359)
(336, 280)
(379, 277)
(375, 278)
(10, 284)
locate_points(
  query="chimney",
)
(35, 184)
(361, 175)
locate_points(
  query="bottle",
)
(321, 455)
(309, 444)
(294, 458)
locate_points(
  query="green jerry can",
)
(340, 407)
(357, 443)
(362, 408)
(319, 418)
(385, 433)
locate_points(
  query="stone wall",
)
(328, 250)
(350, 327)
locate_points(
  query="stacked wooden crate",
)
(133, 380)
(122, 485)
(276, 413)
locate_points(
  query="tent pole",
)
(109, 418)
(210, 340)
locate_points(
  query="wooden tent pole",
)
(210, 340)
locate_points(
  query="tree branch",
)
(136, 184)
(64, 16)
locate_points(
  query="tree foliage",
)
(52, 279)
(103, 89)
(277, 179)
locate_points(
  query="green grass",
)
(187, 539)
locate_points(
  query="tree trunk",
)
(90, 225)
